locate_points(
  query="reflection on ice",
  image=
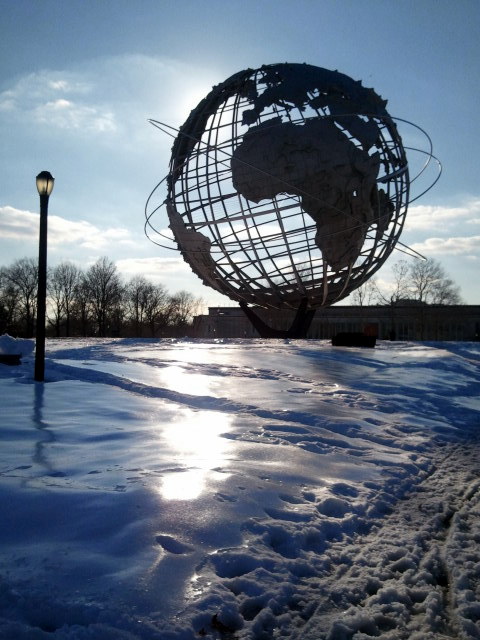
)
(183, 486)
(194, 441)
(176, 377)
(335, 461)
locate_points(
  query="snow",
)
(16, 346)
(247, 489)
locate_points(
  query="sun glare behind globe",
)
(288, 185)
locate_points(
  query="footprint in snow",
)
(344, 489)
(290, 516)
(291, 499)
(333, 508)
(173, 546)
(223, 497)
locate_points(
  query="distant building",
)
(404, 320)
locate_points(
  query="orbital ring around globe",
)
(287, 184)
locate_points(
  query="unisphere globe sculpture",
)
(288, 187)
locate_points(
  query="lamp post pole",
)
(45, 182)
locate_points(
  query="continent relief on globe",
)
(195, 248)
(334, 179)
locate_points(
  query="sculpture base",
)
(298, 329)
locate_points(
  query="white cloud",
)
(172, 272)
(156, 269)
(108, 94)
(65, 85)
(439, 218)
(43, 86)
(7, 101)
(18, 225)
(464, 246)
(63, 100)
(64, 114)
(22, 226)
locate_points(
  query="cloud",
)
(439, 218)
(83, 243)
(156, 268)
(64, 114)
(464, 246)
(18, 225)
(22, 226)
(172, 272)
(107, 95)
(63, 100)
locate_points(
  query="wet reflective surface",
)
(143, 472)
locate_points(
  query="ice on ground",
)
(172, 490)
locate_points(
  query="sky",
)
(80, 79)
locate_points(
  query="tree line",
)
(420, 281)
(98, 302)
(92, 302)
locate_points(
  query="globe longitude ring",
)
(288, 187)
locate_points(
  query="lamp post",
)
(45, 182)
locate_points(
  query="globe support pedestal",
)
(298, 329)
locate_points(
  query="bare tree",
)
(104, 290)
(94, 302)
(420, 282)
(70, 277)
(424, 281)
(400, 288)
(447, 293)
(21, 281)
(366, 294)
(430, 283)
(398, 291)
(185, 306)
(82, 309)
(55, 303)
(144, 302)
(158, 309)
(63, 282)
(9, 305)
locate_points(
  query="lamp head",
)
(45, 182)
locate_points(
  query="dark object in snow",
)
(10, 359)
(219, 626)
(353, 340)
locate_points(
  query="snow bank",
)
(16, 346)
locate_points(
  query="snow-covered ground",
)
(175, 490)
